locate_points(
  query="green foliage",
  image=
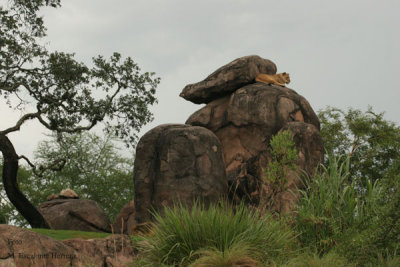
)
(371, 141)
(284, 156)
(181, 235)
(63, 94)
(331, 207)
(237, 255)
(94, 169)
(68, 96)
(69, 234)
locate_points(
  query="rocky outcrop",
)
(125, 222)
(19, 247)
(227, 79)
(246, 119)
(177, 162)
(309, 147)
(112, 251)
(75, 214)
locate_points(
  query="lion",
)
(279, 79)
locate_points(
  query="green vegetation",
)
(62, 94)
(68, 234)
(341, 219)
(93, 166)
(182, 236)
(94, 169)
(367, 138)
(284, 155)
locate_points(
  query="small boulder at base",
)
(177, 162)
(227, 79)
(125, 221)
(75, 214)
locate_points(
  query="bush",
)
(181, 236)
(331, 208)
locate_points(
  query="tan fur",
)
(279, 79)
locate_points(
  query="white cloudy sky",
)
(342, 53)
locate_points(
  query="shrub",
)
(181, 236)
(332, 209)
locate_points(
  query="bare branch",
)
(17, 126)
(56, 165)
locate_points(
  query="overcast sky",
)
(342, 53)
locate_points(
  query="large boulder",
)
(125, 222)
(176, 162)
(75, 214)
(20, 247)
(246, 120)
(227, 79)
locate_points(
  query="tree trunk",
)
(10, 170)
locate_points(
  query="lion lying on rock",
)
(279, 79)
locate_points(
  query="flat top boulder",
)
(227, 79)
(75, 214)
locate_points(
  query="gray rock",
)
(75, 214)
(246, 120)
(125, 222)
(177, 162)
(227, 79)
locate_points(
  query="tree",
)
(372, 142)
(93, 169)
(8, 214)
(64, 95)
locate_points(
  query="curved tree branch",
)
(17, 126)
(56, 165)
(10, 170)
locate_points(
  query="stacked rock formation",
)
(226, 142)
(65, 211)
(245, 117)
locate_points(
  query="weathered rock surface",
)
(309, 148)
(125, 221)
(227, 79)
(246, 120)
(75, 214)
(177, 162)
(112, 251)
(20, 247)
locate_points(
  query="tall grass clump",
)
(314, 260)
(333, 208)
(181, 236)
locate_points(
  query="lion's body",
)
(279, 79)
